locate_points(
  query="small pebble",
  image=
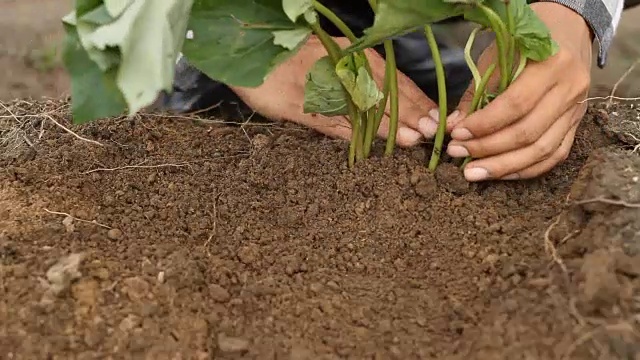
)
(114, 234)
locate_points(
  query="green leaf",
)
(291, 39)
(117, 7)
(323, 91)
(85, 6)
(296, 8)
(359, 84)
(399, 17)
(148, 36)
(532, 36)
(94, 94)
(97, 16)
(234, 41)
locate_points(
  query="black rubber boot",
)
(194, 91)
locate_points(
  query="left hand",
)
(530, 128)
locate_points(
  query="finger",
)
(405, 137)
(548, 164)
(510, 106)
(416, 110)
(499, 166)
(335, 127)
(521, 134)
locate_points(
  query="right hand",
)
(281, 97)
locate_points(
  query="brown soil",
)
(197, 240)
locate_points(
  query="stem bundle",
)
(364, 125)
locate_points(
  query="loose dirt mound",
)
(197, 240)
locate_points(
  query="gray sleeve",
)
(603, 16)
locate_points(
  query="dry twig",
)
(136, 167)
(624, 76)
(71, 132)
(93, 222)
(551, 250)
(608, 201)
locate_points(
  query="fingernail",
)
(457, 151)
(434, 114)
(454, 118)
(461, 134)
(408, 137)
(515, 176)
(427, 127)
(476, 174)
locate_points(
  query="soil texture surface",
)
(175, 238)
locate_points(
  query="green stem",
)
(335, 20)
(467, 57)
(477, 97)
(374, 121)
(521, 66)
(511, 29)
(382, 106)
(442, 99)
(359, 136)
(369, 116)
(482, 87)
(333, 49)
(499, 28)
(335, 54)
(392, 83)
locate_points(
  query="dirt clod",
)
(63, 273)
(228, 344)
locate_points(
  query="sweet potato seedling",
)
(122, 54)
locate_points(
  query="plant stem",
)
(521, 66)
(392, 83)
(482, 87)
(382, 106)
(467, 57)
(442, 99)
(511, 29)
(499, 28)
(333, 49)
(335, 54)
(335, 20)
(369, 116)
(373, 124)
(358, 135)
(477, 97)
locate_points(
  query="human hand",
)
(529, 128)
(281, 97)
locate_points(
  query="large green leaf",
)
(323, 91)
(531, 35)
(95, 93)
(399, 17)
(234, 42)
(149, 35)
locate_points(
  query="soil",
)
(179, 238)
